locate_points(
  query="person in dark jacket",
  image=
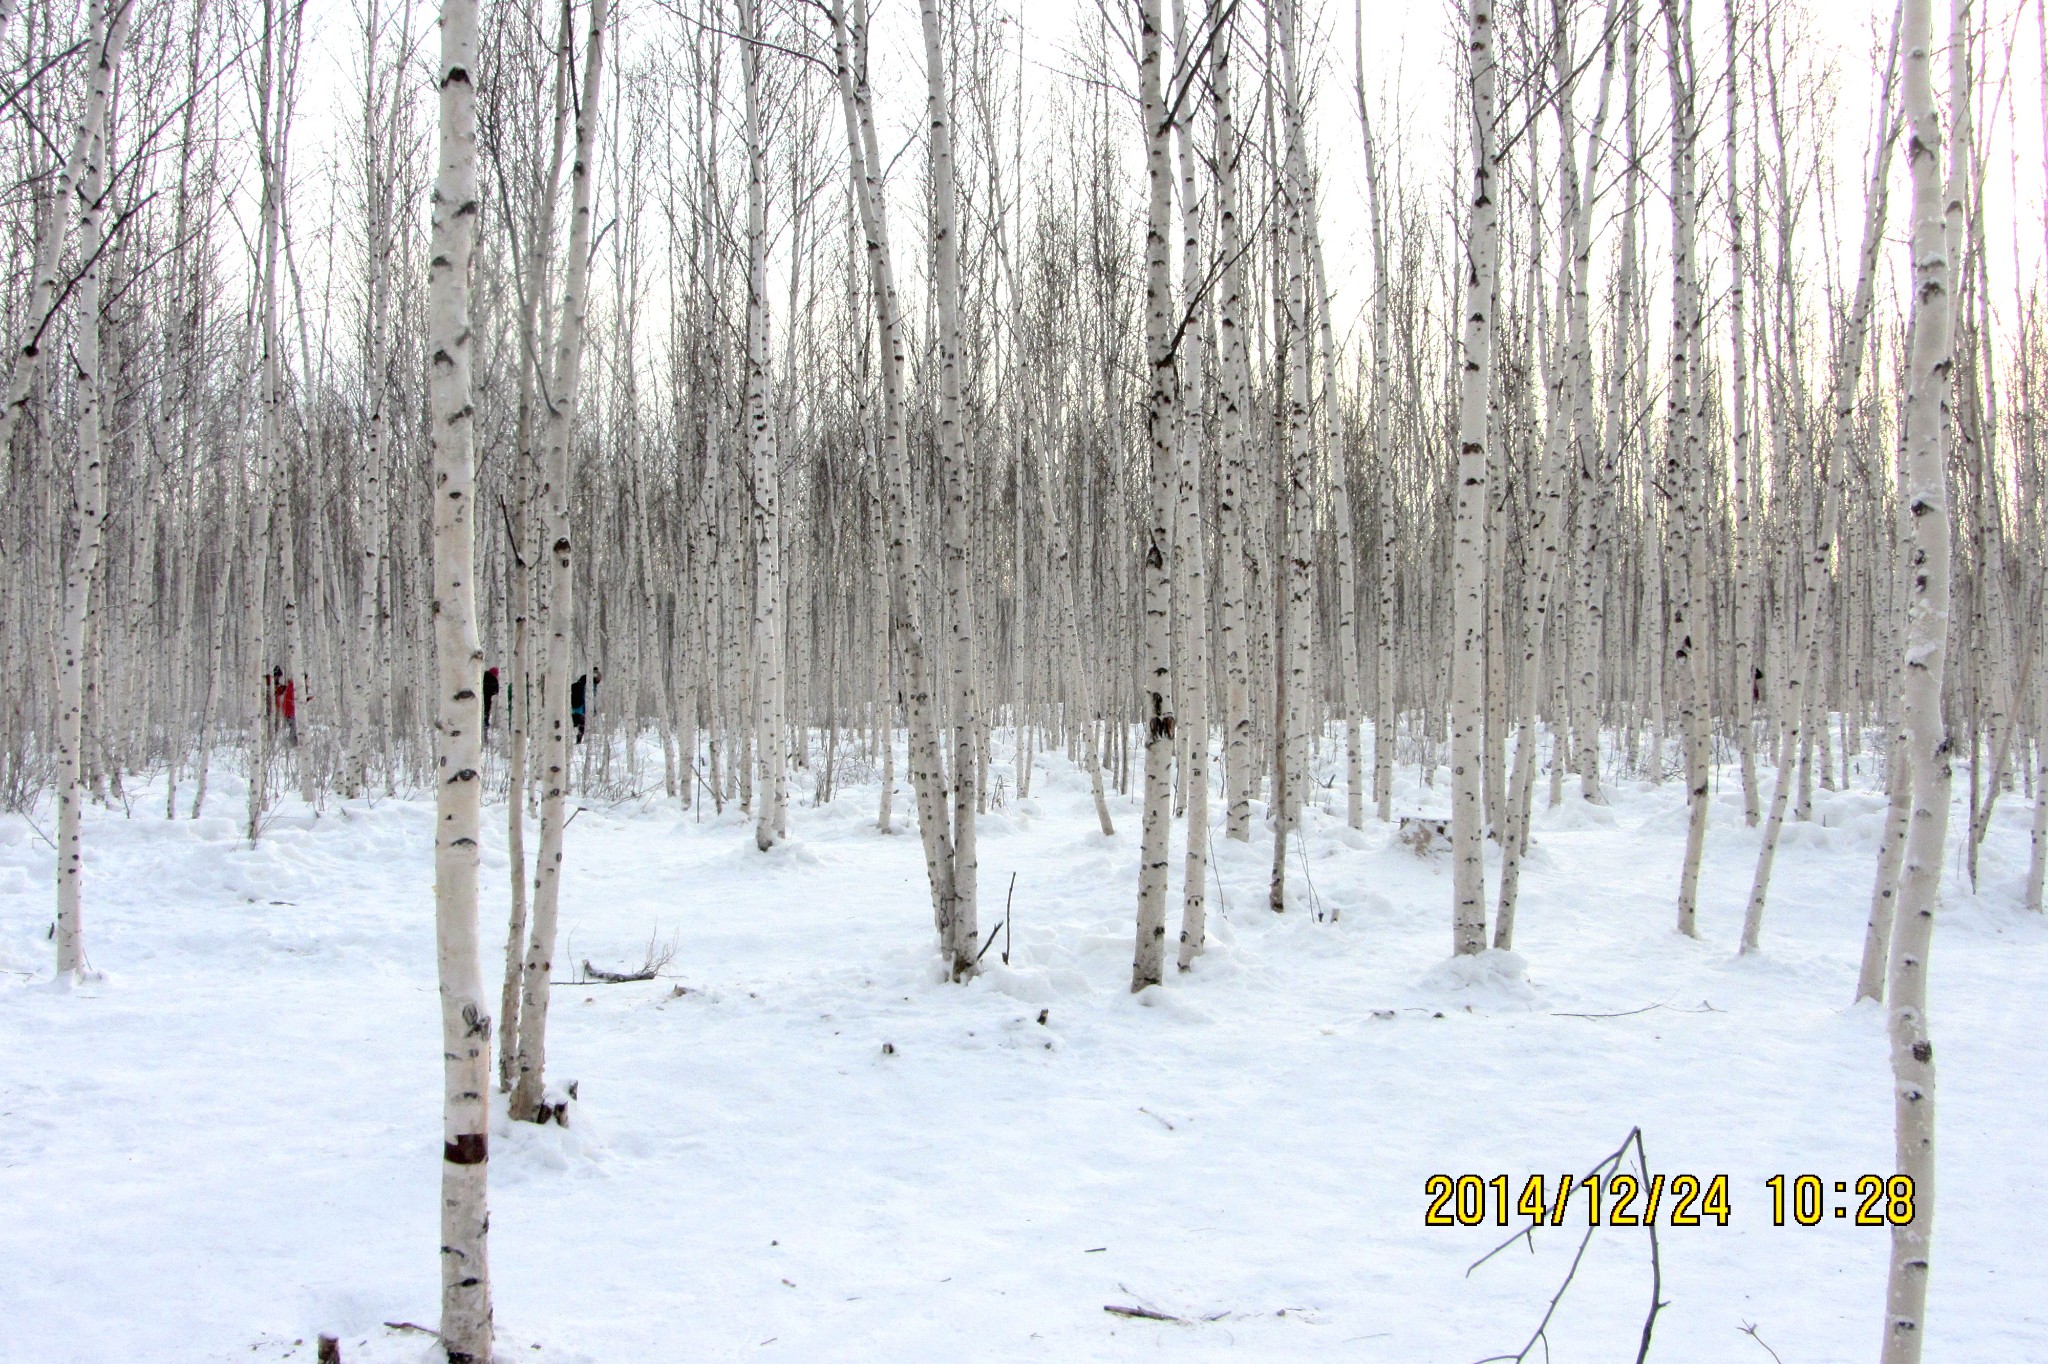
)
(576, 696)
(490, 695)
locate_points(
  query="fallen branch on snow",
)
(1141, 1313)
(657, 956)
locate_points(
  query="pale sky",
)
(1409, 55)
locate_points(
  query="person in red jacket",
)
(283, 706)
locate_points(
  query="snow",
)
(799, 1144)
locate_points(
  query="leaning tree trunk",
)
(850, 60)
(518, 690)
(458, 825)
(1805, 678)
(1926, 734)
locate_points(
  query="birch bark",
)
(1468, 558)
(1156, 679)
(88, 509)
(519, 690)
(772, 818)
(465, 1019)
(1684, 481)
(560, 400)
(958, 931)
(1926, 659)
(1233, 408)
(1193, 606)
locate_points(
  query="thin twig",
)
(1748, 1328)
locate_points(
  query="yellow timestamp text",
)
(1877, 1200)
(1623, 1199)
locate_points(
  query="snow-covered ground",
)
(230, 1143)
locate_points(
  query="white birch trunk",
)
(1684, 481)
(1233, 407)
(1739, 454)
(518, 690)
(88, 509)
(1193, 606)
(1468, 556)
(458, 825)
(1927, 620)
(560, 401)
(772, 817)
(958, 931)
(1156, 677)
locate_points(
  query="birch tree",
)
(88, 511)
(771, 824)
(458, 814)
(560, 402)
(1924, 731)
(1468, 562)
(1160, 410)
(959, 936)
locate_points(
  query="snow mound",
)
(1575, 814)
(1493, 979)
(523, 1150)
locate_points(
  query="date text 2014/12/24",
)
(1628, 1200)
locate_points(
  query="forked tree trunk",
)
(519, 690)
(561, 400)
